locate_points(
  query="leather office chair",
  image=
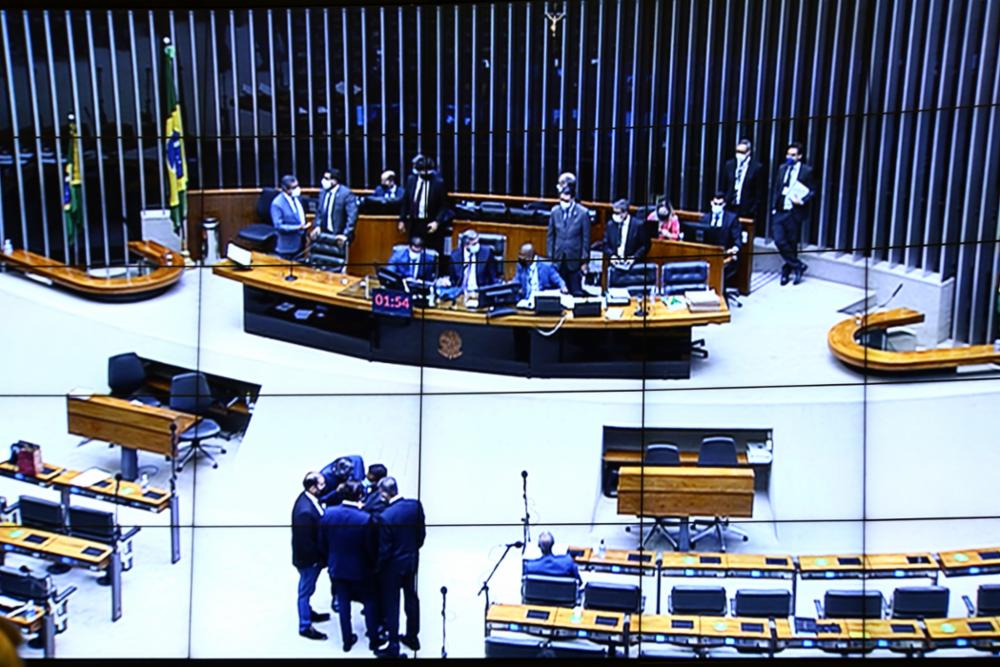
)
(661, 454)
(44, 515)
(607, 596)
(326, 254)
(717, 451)
(680, 277)
(920, 602)
(851, 604)
(261, 236)
(493, 210)
(499, 244)
(688, 600)
(542, 589)
(127, 378)
(987, 601)
(764, 603)
(639, 278)
(189, 392)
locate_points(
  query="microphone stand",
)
(444, 633)
(485, 588)
(526, 521)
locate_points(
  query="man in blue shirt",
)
(550, 564)
(535, 273)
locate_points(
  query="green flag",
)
(176, 167)
(72, 173)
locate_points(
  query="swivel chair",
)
(44, 515)
(987, 601)
(607, 596)
(864, 604)
(685, 600)
(763, 603)
(325, 253)
(543, 589)
(261, 236)
(638, 278)
(101, 526)
(680, 277)
(920, 602)
(717, 451)
(127, 378)
(499, 244)
(23, 585)
(189, 392)
(662, 454)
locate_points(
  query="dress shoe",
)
(799, 272)
(786, 274)
(311, 633)
(349, 644)
(317, 617)
(411, 643)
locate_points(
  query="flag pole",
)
(172, 94)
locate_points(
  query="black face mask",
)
(525, 263)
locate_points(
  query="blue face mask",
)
(789, 160)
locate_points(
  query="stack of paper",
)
(618, 296)
(703, 301)
(88, 478)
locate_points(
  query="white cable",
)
(555, 329)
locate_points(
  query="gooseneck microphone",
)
(527, 517)
(444, 633)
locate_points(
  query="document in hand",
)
(798, 191)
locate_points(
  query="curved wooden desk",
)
(168, 268)
(449, 336)
(843, 341)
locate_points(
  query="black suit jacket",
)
(438, 207)
(305, 533)
(806, 176)
(732, 231)
(637, 243)
(373, 502)
(754, 187)
(401, 534)
(348, 540)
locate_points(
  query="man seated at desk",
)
(550, 564)
(726, 230)
(472, 265)
(535, 274)
(387, 191)
(415, 261)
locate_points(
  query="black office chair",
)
(22, 584)
(326, 254)
(522, 647)
(717, 451)
(607, 596)
(661, 454)
(731, 294)
(680, 277)
(499, 244)
(637, 279)
(493, 210)
(688, 600)
(100, 526)
(127, 378)
(189, 392)
(987, 601)
(261, 236)
(545, 590)
(851, 604)
(43, 515)
(920, 602)
(763, 603)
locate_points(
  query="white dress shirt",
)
(741, 172)
(624, 232)
(414, 263)
(315, 502)
(792, 174)
(421, 196)
(471, 280)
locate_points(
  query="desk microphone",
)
(444, 634)
(527, 518)
(515, 545)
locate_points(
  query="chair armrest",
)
(129, 534)
(732, 607)
(9, 510)
(63, 594)
(819, 609)
(968, 605)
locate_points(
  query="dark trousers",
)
(434, 241)
(391, 582)
(347, 590)
(786, 228)
(572, 277)
(307, 586)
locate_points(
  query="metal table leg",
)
(116, 585)
(49, 636)
(684, 535)
(130, 464)
(175, 528)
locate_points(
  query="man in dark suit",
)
(568, 239)
(337, 214)
(743, 182)
(415, 261)
(792, 192)
(726, 231)
(535, 273)
(425, 210)
(387, 190)
(307, 556)
(349, 541)
(472, 264)
(289, 218)
(550, 564)
(402, 531)
(625, 238)
(373, 502)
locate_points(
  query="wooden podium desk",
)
(330, 311)
(870, 566)
(853, 635)
(133, 426)
(981, 632)
(528, 619)
(685, 491)
(965, 562)
(68, 550)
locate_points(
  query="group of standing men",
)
(368, 538)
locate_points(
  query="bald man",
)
(550, 564)
(388, 190)
(568, 237)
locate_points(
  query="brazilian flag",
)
(72, 211)
(176, 163)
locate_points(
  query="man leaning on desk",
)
(415, 261)
(535, 274)
(550, 564)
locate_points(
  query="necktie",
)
(328, 210)
(716, 219)
(624, 239)
(532, 280)
(739, 179)
(414, 266)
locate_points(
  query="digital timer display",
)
(391, 302)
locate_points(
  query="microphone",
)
(444, 632)
(524, 474)
(515, 545)
(444, 590)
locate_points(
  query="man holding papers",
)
(793, 188)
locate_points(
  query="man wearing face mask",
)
(289, 218)
(387, 190)
(793, 189)
(425, 211)
(726, 231)
(472, 264)
(535, 273)
(415, 261)
(743, 182)
(625, 239)
(337, 214)
(568, 242)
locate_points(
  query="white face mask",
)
(296, 192)
(716, 208)
(473, 248)
(742, 156)
(326, 183)
(618, 217)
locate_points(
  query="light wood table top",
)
(92, 553)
